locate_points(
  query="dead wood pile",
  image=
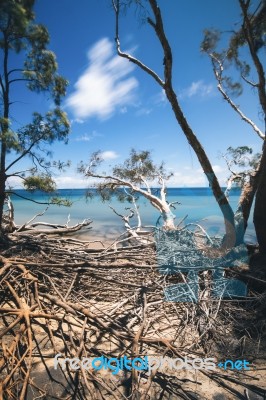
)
(61, 295)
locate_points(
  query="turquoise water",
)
(197, 203)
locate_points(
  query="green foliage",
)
(246, 162)
(89, 194)
(210, 40)
(234, 54)
(9, 137)
(259, 27)
(53, 126)
(94, 162)
(138, 170)
(58, 201)
(255, 161)
(40, 66)
(239, 154)
(46, 184)
(37, 67)
(139, 167)
(61, 165)
(15, 17)
(234, 88)
(257, 21)
(243, 156)
(106, 191)
(19, 32)
(42, 182)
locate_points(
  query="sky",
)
(113, 106)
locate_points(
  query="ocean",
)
(198, 204)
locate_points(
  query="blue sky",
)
(113, 106)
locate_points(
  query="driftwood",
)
(56, 228)
(10, 226)
(62, 295)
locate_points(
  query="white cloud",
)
(190, 177)
(105, 85)
(83, 138)
(198, 88)
(77, 121)
(15, 182)
(70, 182)
(188, 180)
(87, 137)
(109, 155)
(217, 169)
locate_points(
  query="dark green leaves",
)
(15, 18)
(40, 182)
(46, 184)
(36, 67)
(53, 126)
(244, 160)
(138, 171)
(211, 38)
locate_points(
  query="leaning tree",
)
(244, 53)
(234, 224)
(166, 83)
(25, 59)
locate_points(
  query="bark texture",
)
(260, 205)
(260, 201)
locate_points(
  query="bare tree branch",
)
(218, 75)
(247, 29)
(116, 6)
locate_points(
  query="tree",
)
(166, 84)
(21, 37)
(243, 166)
(135, 177)
(243, 52)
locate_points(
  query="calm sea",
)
(197, 203)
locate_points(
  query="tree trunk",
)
(244, 206)
(260, 201)
(166, 213)
(230, 237)
(157, 25)
(10, 220)
(4, 130)
(2, 197)
(168, 219)
(259, 218)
